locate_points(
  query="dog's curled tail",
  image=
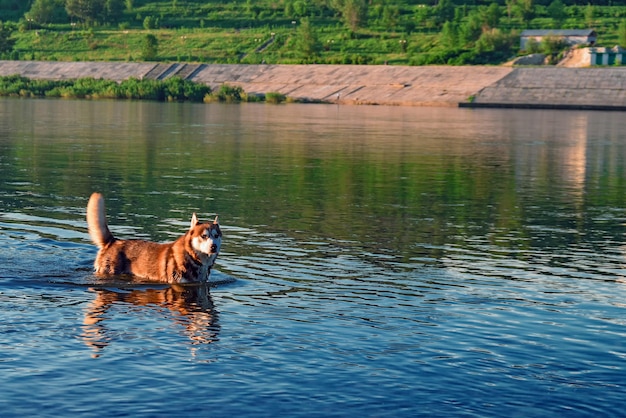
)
(97, 222)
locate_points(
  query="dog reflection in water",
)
(190, 306)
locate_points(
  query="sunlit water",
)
(377, 261)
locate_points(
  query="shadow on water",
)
(190, 307)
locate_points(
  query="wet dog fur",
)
(189, 259)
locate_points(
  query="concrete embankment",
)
(556, 88)
(472, 86)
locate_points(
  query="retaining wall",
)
(468, 86)
(557, 87)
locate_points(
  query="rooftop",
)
(558, 32)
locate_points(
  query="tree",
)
(86, 10)
(552, 45)
(532, 46)
(510, 4)
(289, 10)
(621, 33)
(424, 16)
(556, 11)
(590, 15)
(46, 11)
(6, 42)
(114, 10)
(524, 10)
(490, 15)
(390, 15)
(150, 48)
(307, 41)
(449, 35)
(353, 12)
(496, 40)
(151, 22)
(494, 45)
(252, 9)
(444, 11)
(300, 8)
(469, 32)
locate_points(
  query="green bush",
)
(151, 23)
(275, 98)
(226, 93)
(150, 47)
(177, 89)
(174, 89)
(552, 45)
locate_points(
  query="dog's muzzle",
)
(213, 248)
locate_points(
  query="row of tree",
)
(88, 11)
(353, 13)
(458, 32)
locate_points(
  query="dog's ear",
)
(194, 221)
(215, 220)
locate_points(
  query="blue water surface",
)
(378, 262)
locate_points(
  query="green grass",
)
(215, 32)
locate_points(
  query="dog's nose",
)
(213, 248)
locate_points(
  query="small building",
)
(607, 56)
(569, 36)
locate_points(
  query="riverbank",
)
(467, 86)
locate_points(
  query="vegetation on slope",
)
(408, 32)
(171, 89)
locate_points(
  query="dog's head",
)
(206, 238)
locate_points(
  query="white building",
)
(569, 36)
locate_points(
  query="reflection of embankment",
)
(190, 306)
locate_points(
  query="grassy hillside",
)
(293, 31)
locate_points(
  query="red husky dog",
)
(188, 259)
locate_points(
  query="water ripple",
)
(382, 265)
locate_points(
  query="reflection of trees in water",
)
(383, 178)
(191, 307)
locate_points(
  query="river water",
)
(377, 261)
